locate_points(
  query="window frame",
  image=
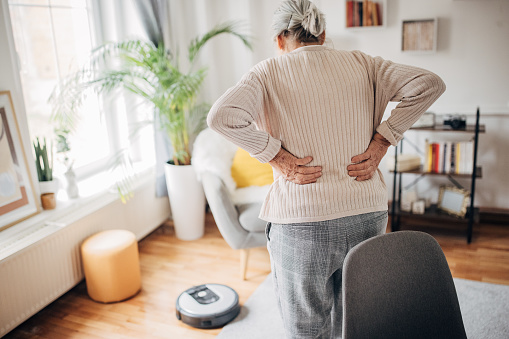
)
(97, 35)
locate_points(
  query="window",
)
(53, 38)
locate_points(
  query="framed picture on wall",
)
(419, 35)
(17, 195)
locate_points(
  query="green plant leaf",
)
(230, 27)
(43, 160)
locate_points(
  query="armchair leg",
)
(244, 255)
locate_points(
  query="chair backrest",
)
(214, 154)
(398, 285)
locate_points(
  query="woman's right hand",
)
(294, 170)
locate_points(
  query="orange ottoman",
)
(111, 265)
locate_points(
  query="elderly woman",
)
(315, 115)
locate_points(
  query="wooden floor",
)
(170, 266)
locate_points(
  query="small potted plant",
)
(44, 166)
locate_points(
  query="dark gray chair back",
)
(398, 285)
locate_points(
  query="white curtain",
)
(154, 17)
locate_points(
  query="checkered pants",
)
(307, 264)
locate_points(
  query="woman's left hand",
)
(365, 164)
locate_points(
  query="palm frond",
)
(136, 49)
(121, 165)
(227, 27)
(197, 119)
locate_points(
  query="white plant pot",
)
(48, 186)
(187, 201)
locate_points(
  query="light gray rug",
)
(485, 310)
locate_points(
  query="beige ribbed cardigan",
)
(327, 104)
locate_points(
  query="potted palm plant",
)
(154, 74)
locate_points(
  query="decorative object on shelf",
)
(44, 165)
(456, 121)
(419, 35)
(453, 200)
(17, 194)
(63, 149)
(72, 189)
(406, 162)
(48, 201)
(364, 13)
(419, 207)
(405, 206)
(407, 200)
(426, 120)
(427, 202)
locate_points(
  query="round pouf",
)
(111, 265)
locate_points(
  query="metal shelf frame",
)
(472, 215)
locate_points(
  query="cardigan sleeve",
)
(235, 115)
(415, 89)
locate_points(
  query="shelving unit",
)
(382, 17)
(432, 213)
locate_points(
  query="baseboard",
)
(494, 215)
(489, 215)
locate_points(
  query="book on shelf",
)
(363, 13)
(349, 14)
(449, 157)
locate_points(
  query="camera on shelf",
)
(456, 121)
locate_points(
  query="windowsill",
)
(95, 193)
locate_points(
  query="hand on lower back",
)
(365, 165)
(294, 170)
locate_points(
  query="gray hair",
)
(300, 18)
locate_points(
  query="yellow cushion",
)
(247, 171)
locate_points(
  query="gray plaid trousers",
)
(307, 265)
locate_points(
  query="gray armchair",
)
(238, 223)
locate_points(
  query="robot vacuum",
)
(208, 306)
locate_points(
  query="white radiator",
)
(33, 277)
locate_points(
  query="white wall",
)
(472, 58)
(473, 43)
